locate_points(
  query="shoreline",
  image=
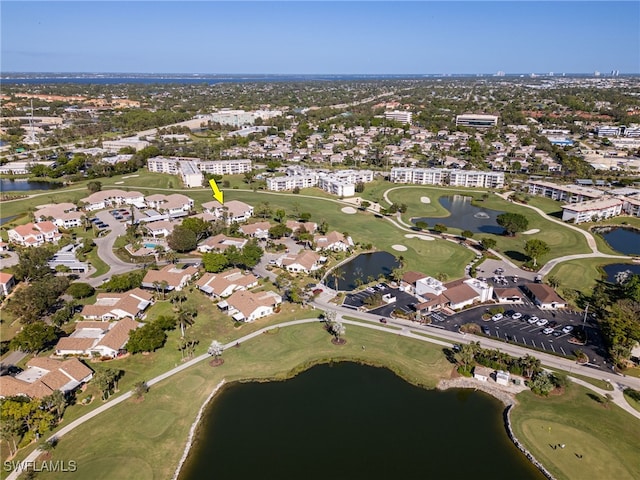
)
(194, 427)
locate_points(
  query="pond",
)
(21, 185)
(614, 269)
(624, 240)
(345, 420)
(465, 216)
(362, 267)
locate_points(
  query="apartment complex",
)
(564, 193)
(476, 120)
(238, 118)
(592, 210)
(191, 170)
(621, 131)
(399, 116)
(445, 176)
(341, 182)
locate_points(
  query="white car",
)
(533, 320)
(543, 322)
(516, 316)
(497, 316)
(548, 331)
(567, 329)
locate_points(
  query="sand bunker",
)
(421, 237)
(400, 248)
(118, 183)
(425, 199)
(531, 232)
(349, 210)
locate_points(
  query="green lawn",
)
(581, 274)
(606, 436)
(561, 240)
(152, 440)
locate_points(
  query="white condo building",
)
(399, 116)
(340, 182)
(564, 193)
(191, 169)
(238, 118)
(444, 176)
(477, 120)
(592, 210)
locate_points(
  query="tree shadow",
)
(557, 214)
(595, 398)
(449, 355)
(517, 256)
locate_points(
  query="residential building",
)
(220, 242)
(174, 205)
(446, 176)
(334, 241)
(631, 205)
(97, 339)
(294, 225)
(544, 296)
(159, 228)
(117, 145)
(62, 215)
(34, 234)
(190, 175)
(476, 120)
(607, 131)
(191, 169)
(112, 198)
(169, 278)
(398, 116)
(232, 210)
(256, 230)
(477, 179)
(7, 282)
(455, 295)
(304, 262)
(563, 193)
(245, 306)
(66, 257)
(338, 182)
(43, 376)
(592, 210)
(508, 295)
(114, 306)
(224, 284)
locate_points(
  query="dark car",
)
(509, 313)
(383, 320)
(486, 330)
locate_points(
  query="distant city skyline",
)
(366, 38)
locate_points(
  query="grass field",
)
(152, 441)
(605, 435)
(561, 240)
(581, 274)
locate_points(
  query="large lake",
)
(348, 421)
(465, 216)
(624, 240)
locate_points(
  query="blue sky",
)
(380, 37)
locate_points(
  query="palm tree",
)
(177, 298)
(185, 317)
(164, 285)
(530, 364)
(170, 256)
(156, 287)
(215, 349)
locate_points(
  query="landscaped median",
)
(145, 439)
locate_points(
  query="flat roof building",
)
(476, 120)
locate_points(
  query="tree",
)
(338, 330)
(535, 248)
(422, 225)
(553, 281)
(33, 262)
(440, 228)
(80, 290)
(182, 239)
(541, 384)
(263, 210)
(488, 243)
(280, 215)
(124, 281)
(94, 186)
(305, 216)
(215, 349)
(530, 365)
(364, 205)
(56, 402)
(148, 338)
(34, 337)
(107, 381)
(200, 227)
(323, 227)
(166, 322)
(251, 254)
(280, 230)
(185, 317)
(512, 223)
(467, 234)
(466, 354)
(214, 262)
(140, 388)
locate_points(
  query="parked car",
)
(542, 322)
(510, 313)
(383, 320)
(497, 316)
(533, 319)
(548, 331)
(486, 330)
(567, 329)
(516, 316)
(553, 324)
(317, 291)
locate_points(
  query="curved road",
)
(445, 339)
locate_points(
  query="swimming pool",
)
(151, 245)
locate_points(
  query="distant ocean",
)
(109, 78)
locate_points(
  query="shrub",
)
(80, 290)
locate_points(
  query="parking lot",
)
(523, 331)
(404, 301)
